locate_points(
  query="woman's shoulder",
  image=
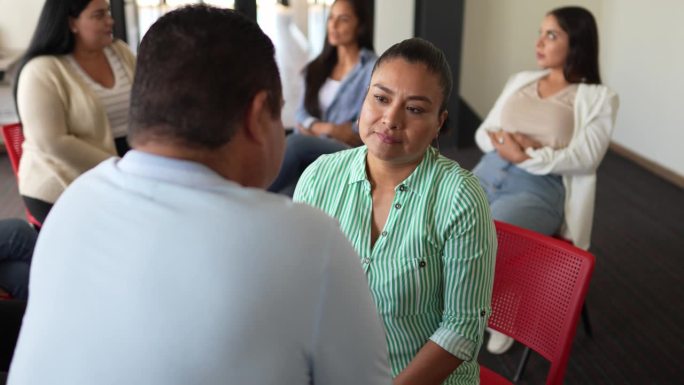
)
(368, 57)
(596, 89)
(449, 169)
(592, 94)
(44, 66)
(332, 170)
(455, 184)
(120, 46)
(123, 51)
(43, 63)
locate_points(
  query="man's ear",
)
(257, 117)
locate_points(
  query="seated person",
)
(72, 92)
(420, 222)
(546, 136)
(184, 270)
(17, 239)
(335, 85)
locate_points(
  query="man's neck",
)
(221, 160)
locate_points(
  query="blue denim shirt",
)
(347, 103)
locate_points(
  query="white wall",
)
(498, 41)
(393, 22)
(18, 19)
(640, 58)
(643, 59)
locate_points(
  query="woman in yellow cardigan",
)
(72, 95)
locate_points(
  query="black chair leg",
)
(585, 320)
(521, 366)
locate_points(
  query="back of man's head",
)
(198, 70)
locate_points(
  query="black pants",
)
(38, 208)
(17, 239)
(11, 314)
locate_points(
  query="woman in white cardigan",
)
(72, 93)
(546, 136)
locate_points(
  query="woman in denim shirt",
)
(335, 86)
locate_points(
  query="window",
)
(146, 12)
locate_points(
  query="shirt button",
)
(397, 206)
(366, 260)
(422, 263)
(384, 233)
(402, 188)
(483, 313)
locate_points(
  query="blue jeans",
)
(300, 152)
(17, 239)
(534, 202)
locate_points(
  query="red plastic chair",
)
(13, 136)
(539, 287)
(586, 321)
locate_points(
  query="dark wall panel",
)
(441, 22)
(119, 16)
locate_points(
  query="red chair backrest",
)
(14, 138)
(539, 288)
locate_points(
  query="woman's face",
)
(400, 115)
(552, 44)
(342, 25)
(93, 28)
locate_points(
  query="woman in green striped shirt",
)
(420, 223)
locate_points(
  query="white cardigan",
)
(595, 110)
(65, 124)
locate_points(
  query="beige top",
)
(548, 120)
(115, 100)
(65, 125)
(595, 108)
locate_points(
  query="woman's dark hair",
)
(582, 62)
(52, 35)
(321, 67)
(417, 50)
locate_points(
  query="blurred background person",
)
(547, 134)
(72, 94)
(335, 85)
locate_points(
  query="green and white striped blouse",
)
(431, 270)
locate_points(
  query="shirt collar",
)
(417, 182)
(357, 166)
(171, 170)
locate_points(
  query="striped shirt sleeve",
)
(469, 254)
